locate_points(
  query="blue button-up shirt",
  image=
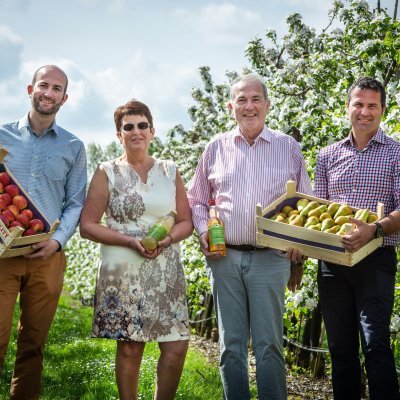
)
(52, 170)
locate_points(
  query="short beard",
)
(51, 111)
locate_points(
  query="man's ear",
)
(65, 98)
(29, 89)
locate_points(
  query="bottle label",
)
(216, 234)
(158, 232)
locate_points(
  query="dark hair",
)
(371, 84)
(132, 107)
(35, 75)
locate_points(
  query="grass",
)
(79, 368)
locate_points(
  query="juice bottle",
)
(216, 239)
(158, 231)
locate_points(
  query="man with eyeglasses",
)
(239, 169)
(50, 163)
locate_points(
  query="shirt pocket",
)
(55, 168)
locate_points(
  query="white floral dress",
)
(137, 299)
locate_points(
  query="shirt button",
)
(32, 174)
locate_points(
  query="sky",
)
(115, 50)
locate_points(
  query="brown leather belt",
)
(245, 247)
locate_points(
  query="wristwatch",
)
(299, 264)
(379, 230)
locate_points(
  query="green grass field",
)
(79, 368)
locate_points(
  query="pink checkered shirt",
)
(361, 178)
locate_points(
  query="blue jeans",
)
(357, 302)
(249, 293)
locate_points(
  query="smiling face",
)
(48, 91)
(250, 108)
(365, 112)
(136, 139)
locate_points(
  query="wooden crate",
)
(12, 244)
(314, 244)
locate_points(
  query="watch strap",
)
(379, 230)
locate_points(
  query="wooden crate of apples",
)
(313, 226)
(21, 222)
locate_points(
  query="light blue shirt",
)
(52, 170)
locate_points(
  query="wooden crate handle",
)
(291, 188)
(380, 210)
(3, 153)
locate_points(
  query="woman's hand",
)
(151, 255)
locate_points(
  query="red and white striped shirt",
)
(239, 176)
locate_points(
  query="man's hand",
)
(361, 235)
(295, 255)
(44, 249)
(204, 247)
(296, 275)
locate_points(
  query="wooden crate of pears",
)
(314, 226)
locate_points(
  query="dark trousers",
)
(356, 303)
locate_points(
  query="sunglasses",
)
(130, 127)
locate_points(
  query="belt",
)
(245, 247)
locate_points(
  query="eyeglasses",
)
(130, 127)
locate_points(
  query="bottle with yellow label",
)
(215, 226)
(158, 231)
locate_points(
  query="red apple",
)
(15, 224)
(5, 200)
(1, 188)
(12, 190)
(13, 209)
(20, 201)
(23, 220)
(29, 232)
(5, 178)
(10, 216)
(37, 225)
(5, 220)
(28, 213)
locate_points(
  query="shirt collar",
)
(24, 123)
(378, 137)
(265, 134)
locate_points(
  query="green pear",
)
(316, 227)
(297, 221)
(334, 229)
(327, 224)
(344, 209)
(332, 208)
(342, 219)
(301, 204)
(317, 211)
(286, 209)
(313, 220)
(324, 216)
(310, 206)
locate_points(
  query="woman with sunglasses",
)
(140, 295)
